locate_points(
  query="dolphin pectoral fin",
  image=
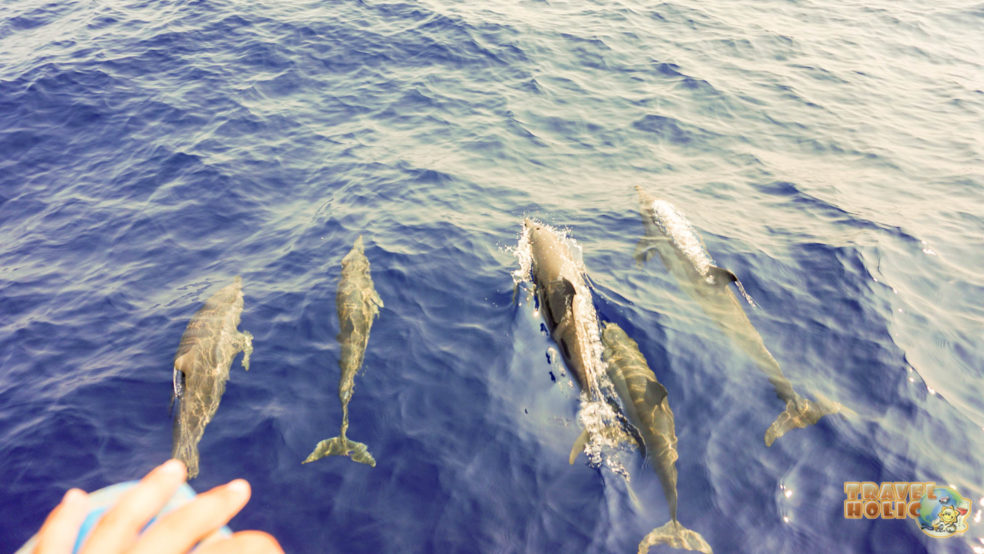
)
(644, 250)
(579, 444)
(800, 413)
(558, 333)
(246, 343)
(341, 446)
(676, 536)
(376, 299)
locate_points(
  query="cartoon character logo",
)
(947, 520)
(943, 516)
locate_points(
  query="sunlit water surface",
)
(829, 153)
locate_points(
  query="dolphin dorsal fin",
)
(655, 393)
(721, 277)
(561, 295)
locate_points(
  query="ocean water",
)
(831, 154)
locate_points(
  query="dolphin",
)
(645, 402)
(670, 235)
(358, 304)
(558, 280)
(201, 367)
(569, 313)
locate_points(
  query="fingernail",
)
(73, 496)
(173, 467)
(240, 487)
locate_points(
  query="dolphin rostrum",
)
(357, 303)
(568, 310)
(201, 367)
(647, 406)
(671, 236)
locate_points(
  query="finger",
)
(119, 526)
(60, 529)
(243, 542)
(181, 529)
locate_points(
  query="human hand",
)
(119, 528)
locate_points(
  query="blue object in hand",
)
(104, 498)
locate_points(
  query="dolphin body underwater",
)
(670, 235)
(567, 308)
(647, 406)
(201, 368)
(358, 304)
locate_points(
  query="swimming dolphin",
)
(569, 313)
(647, 406)
(670, 235)
(558, 280)
(358, 304)
(201, 367)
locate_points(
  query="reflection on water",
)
(828, 155)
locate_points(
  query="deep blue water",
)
(830, 153)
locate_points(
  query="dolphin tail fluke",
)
(676, 536)
(341, 446)
(800, 413)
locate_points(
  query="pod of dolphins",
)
(602, 358)
(211, 341)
